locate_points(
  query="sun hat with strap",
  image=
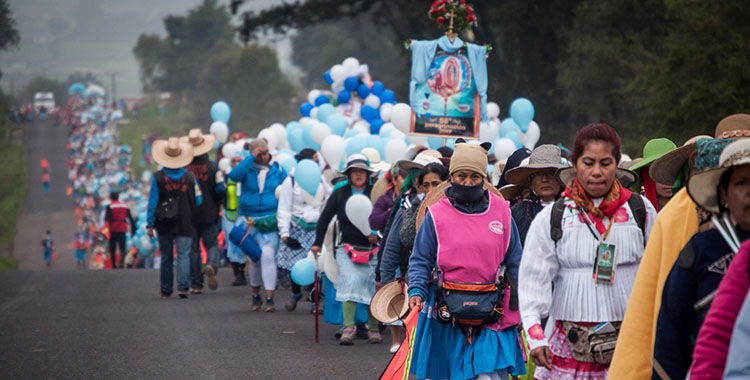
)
(172, 153)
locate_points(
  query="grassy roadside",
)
(151, 121)
(12, 189)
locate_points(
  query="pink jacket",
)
(710, 354)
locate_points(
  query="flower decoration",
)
(452, 15)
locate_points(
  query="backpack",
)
(558, 208)
(408, 231)
(167, 210)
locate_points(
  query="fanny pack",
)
(266, 223)
(468, 304)
(360, 255)
(304, 225)
(588, 346)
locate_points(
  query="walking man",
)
(117, 217)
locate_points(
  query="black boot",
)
(239, 275)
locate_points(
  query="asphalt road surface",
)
(59, 322)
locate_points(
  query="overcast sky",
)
(60, 37)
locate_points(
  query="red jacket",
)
(118, 214)
(712, 345)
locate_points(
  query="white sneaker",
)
(395, 347)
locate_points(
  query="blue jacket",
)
(153, 194)
(252, 202)
(738, 367)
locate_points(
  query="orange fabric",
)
(469, 287)
(398, 367)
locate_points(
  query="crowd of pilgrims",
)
(596, 267)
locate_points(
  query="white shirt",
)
(294, 201)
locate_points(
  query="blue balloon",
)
(387, 134)
(344, 96)
(368, 113)
(337, 123)
(220, 112)
(351, 83)
(307, 174)
(507, 126)
(522, 112)
(303, 272)
(296, 140)
(435, 142)
(292, 125)
(324, 111)
(514, 137)
(289, 164)
(320, 100)
(351, 133)
(305, 109)
(375, 141)
(307, 137)
(363, 91)
(327, 77)
(355, 145)
(377, 88)
(375, 126)
(388, 96)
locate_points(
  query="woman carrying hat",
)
(539, 176)
(297, 218)
(469, 237)
(592, 261)
(720, 185)
(356, 282)
(258, 204)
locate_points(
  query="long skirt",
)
(287, 257)
(356, 281)
(442, 351)
(333, 313)
(564, 367)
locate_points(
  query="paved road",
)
(61, 323)
(40, 212)
(83, 324)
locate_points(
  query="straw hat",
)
(511, 192)
(376, 163)
(654, 149)
(420, 161)
(201, 143)
(172, 153)
(627, 177)
(544, 158)
(390, 303)
(713, 158)
(665, 169)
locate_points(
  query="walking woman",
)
(356, 282)
(599, 230)
(297, 218)
(468, 237)
(258, 205)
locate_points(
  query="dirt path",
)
(40, 212)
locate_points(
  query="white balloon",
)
(488, 131)
(358, 208)
(306, 120)
(362, 127)
(401, 117)
(271, 137)
(338, 73)
(314, 113)
(221, 131)
(312, 95)
(351, 65)
(385, 111)
(229, 149)
(395, 150)
(332, 150)
(386, 127)
(504, 148)
(225, 165)
(280, 158)
(337, 86)
(418, 140)
(493, 110)
(280, 132)
(397, 135)
(372, 101)
(319, 132)
(531, 137)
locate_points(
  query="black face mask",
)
(466, 194)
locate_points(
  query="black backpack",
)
(558, 208)
(167, 210)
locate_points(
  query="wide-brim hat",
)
(390, 303)
(627, 177)
(201, 143)
(511, 192)
(703, 186)
(664, 169)
(357, 161)
(373, 156)
(378, 189)
(654, 149)
(172, 153)
(544, 158)
(421, 160)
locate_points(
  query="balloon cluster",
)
(518, 130)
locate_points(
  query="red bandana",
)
(616, 197)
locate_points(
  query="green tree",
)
(8, 33)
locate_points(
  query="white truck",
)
(44, 102)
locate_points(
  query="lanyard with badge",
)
(604, 259)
